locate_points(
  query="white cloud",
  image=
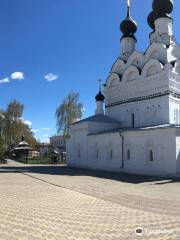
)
(5, 80)
(47, 135)
(27, 122)
(17, 76)
(51, 77)
(45, 129)
(35, 130)
(46, 140)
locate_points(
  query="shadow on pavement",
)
(63, 170)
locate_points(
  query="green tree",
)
(2, 124)
(12, 126)
(68, 112)
(2, 149)
(13, 120)
(14, 110)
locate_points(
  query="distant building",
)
(43, 149)
(58, 143)
(23, 150)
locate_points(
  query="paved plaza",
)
(57, 202)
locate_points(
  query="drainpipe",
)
(122, 138)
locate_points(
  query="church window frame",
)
(151, 156)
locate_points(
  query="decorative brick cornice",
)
(143, 98)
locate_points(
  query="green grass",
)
(43, 160)
(40, 160)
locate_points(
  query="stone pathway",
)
(49, 203)
(13, 163)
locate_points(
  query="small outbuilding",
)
(23, 151)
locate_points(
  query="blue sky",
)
(75, 40)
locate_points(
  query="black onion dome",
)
(163, 6)
(128, 26)
(100, 97)
(151, 19)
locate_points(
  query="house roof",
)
(23, 148)
(128, 129)
(98, 118)
(23, 144)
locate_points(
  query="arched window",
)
(151, 156)
(133, 120)
(128, 155)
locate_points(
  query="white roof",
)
(23, 143)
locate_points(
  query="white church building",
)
(136, 126)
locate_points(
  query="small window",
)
(151, 156)
(128, 155)
(133, 120)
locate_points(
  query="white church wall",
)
(137, 89)
(127, 47)
(174, 111)
(177, 67)
(178, 153)
(173, 52)
(109, 147)
(77, 145)
(145, 151)
(95, 127)
(164, 26)
(157, 144)
(178, 149)
(174, 82)
(146, 113)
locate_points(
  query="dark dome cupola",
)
(151, 19)
(99, 101)
(161, 9)
(100, 97)
(163, 6)
(128, 26)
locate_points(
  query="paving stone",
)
(41, 206)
